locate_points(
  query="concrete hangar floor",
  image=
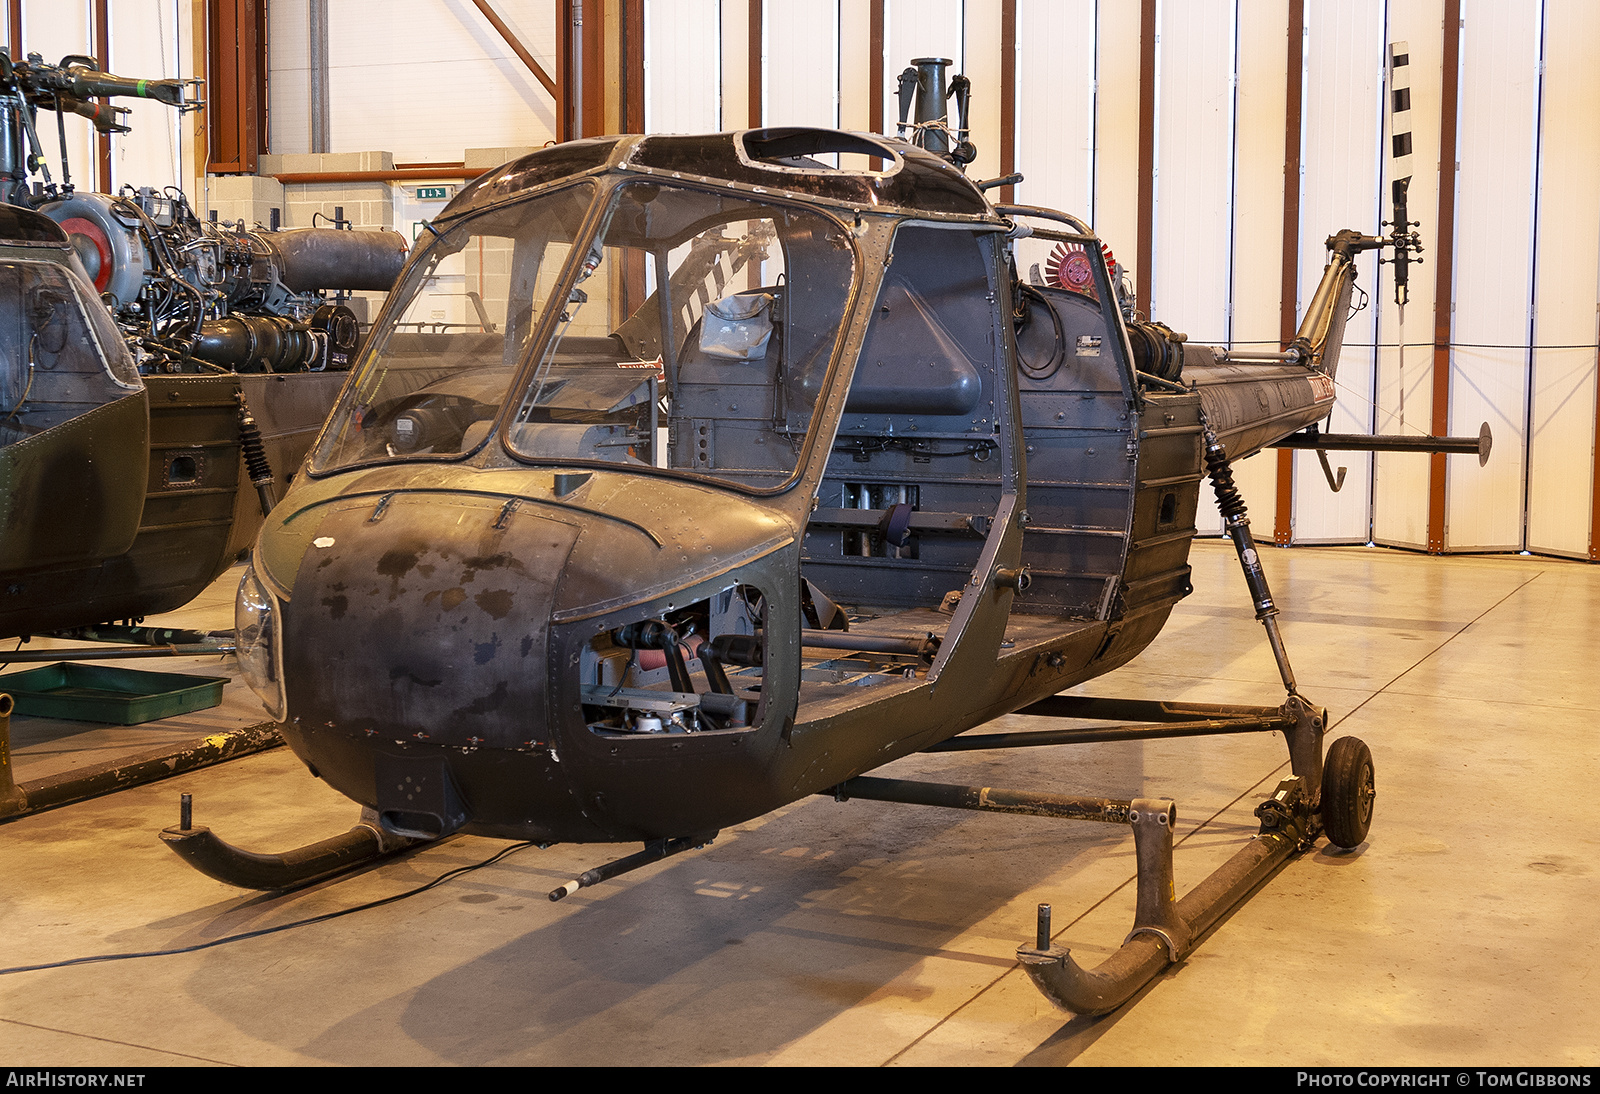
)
(865, 933)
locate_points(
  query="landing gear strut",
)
(1335, 797)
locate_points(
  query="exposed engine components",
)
(623, 662)
(267, 343)
(1157, 349)
(188, 290)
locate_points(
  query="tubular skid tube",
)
(216, 858)
(1165, 929)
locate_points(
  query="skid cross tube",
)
(986, 799)
(654, 851)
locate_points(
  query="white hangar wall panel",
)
(1116, 130)
(734, 29)
(1194, 179)
(981, 53)
(1566, 284)
(1493, 267)
(855, 66)
(1342, 111)
(1055, 106)
(800, 63)
(1260, 103)
(920, 28)
(54, 30)
(683, 45)
(416, 78)
(1405, 378)
(1194, 168)
(148, 42)
(289, 77)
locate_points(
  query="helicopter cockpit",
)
(61, 354)
(73, 410)
(688, 332)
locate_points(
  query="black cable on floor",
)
(442, 878)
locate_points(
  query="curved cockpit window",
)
(695, 338)
(459, 325)
(60, 354)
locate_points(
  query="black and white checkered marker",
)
(1401, 237)
(1400, 112)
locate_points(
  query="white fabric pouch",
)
(738, 327)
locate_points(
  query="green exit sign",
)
(434, 193)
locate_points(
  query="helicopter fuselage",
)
(741, 475)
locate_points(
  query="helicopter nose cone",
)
(432, 640)
(415, 654)
(423, 619)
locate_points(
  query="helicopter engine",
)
(246, 300)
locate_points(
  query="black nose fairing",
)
(418, 628)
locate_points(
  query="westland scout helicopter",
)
(745, 474)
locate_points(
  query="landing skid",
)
(216, 858)
(1165, 930)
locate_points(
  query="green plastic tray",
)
(100, 693)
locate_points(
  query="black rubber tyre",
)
(1347, 792)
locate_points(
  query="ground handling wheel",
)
(1347, 792)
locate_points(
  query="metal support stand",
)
(20, 799)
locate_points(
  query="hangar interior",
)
(1439, 608)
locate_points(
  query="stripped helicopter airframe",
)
(686, 476)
